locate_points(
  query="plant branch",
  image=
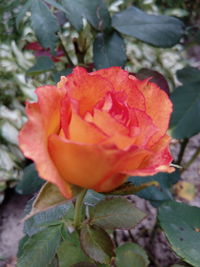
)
(65, 51)
(194, 156)
(182, 150)
(78, 208)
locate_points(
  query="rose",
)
(95, 129)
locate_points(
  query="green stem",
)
(65, 51)
(182, 150)
(194, 156)
(78, 208)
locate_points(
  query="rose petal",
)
(111, 182)
(120, 141)
(84, 132)
(107, 124)
(83, 165)
(156, 160)
(129, 160)
(133, 159)
(86, 89)
(158, 104)
(49, 101)
(146, 127)
(121, 82)
(43, 120)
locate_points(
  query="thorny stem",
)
(194, 156)
(79, 54)
(65, 51)
(78, 208)
(152, 238)
(182, 150)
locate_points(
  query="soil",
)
(11, 226)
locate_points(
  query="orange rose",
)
(95, 129)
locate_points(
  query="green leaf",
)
(21, 245)
(130, 188)
(156, 77)
(42, 64)
(131, 253)
(70, 251)
(55, 4)
(186, 115)
(188, 75)
(31, 182)
(96, 243)
(48, 196)
(157, 30)
(92, 198)
(96, 13)
(73, 13)
(157, 195)
(23, 9)
(52, 216)
(28, 206)
(116, 213)
(44, 24)
(181, 224)
(109, 50)
(40, 249)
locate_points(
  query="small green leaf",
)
(96, 13)
(116, 213)
(73, 13)
(181, 224)
(156, 77)
(96, 243)
(131, 253)
(44, 24)
(188, 75)
(92, 198)
(42, 64)
(30, 182)
(55, 4)
(48, 196)
(129, 188)
(109, 50)
(42, 220)
(70, 251)
(157, 194)
(157, 30)
(21, 245)
(28, 206)
(186, 115)
(40, 249)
